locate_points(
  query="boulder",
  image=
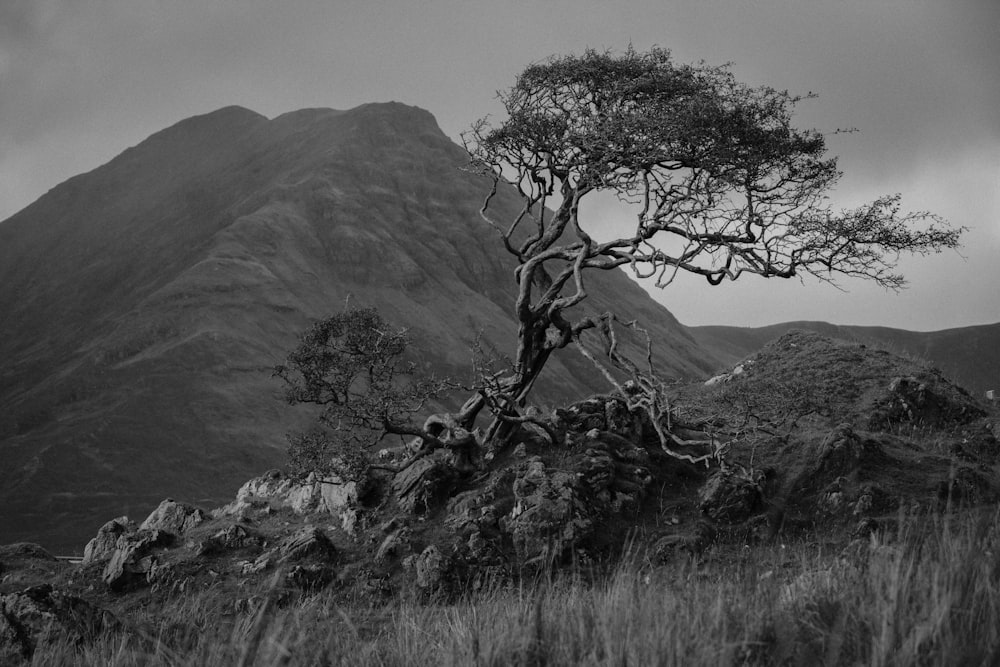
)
(729, 497)
(234, 538)
(424, 483)
(104, 544)
(41, 614)
(134, 560)
(306, 543)
(430, 569)
(174, 518)
(257, 493)
(274, 490)
(395, 544)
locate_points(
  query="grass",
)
(927, 594)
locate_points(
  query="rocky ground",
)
(822, 440)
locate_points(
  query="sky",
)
(82, 80)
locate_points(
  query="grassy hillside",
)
(968, 355)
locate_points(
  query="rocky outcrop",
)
(104, 544)
(42, 614)
(134, 561)
(425, 483)
(174, 518)
(546, 513)
(306, 543)
(131, 552)
(308, 556)
(430, 569)
(274, 490)
(234, 538)
(929, 402)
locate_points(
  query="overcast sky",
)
(81, 80)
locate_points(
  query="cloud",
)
(25, 19)
(81, 80)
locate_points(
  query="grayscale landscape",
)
(380, 384)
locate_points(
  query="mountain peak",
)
(221, 123)
(198, 256)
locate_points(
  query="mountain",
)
(970, 356)
(146, 301)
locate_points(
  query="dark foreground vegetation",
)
(926, 591)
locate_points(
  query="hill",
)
(851, 478)
(146, 301)
(968, 355)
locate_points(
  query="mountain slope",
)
(146, 301)
(970, 356)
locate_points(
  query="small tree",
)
(721, 184)
(352, 365)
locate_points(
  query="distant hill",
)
(970, 356)
(145, 302)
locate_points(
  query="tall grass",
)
(927, 594)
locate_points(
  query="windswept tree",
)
(721, 184)
(352, 365)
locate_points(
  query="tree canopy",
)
(720, 181)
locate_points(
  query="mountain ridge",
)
(969, 355)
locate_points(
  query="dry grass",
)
(927, 595)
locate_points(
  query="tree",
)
(721, 183)
(352, 365)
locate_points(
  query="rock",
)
(174, 518)
(842, 451)
(871, 500)
(729, 497)
(42, 614)
(273, 490)
(349, 519)
(424, 483)
(309, 577)
(927, 401)
(430, 569)
(583, 416)
(133, 559)
(233, 538)
(338, 496)
(261, 563)
(104, 544)
(395, 544)
(310, 542)
(547, 520)
(257, 493)
(717, 379)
